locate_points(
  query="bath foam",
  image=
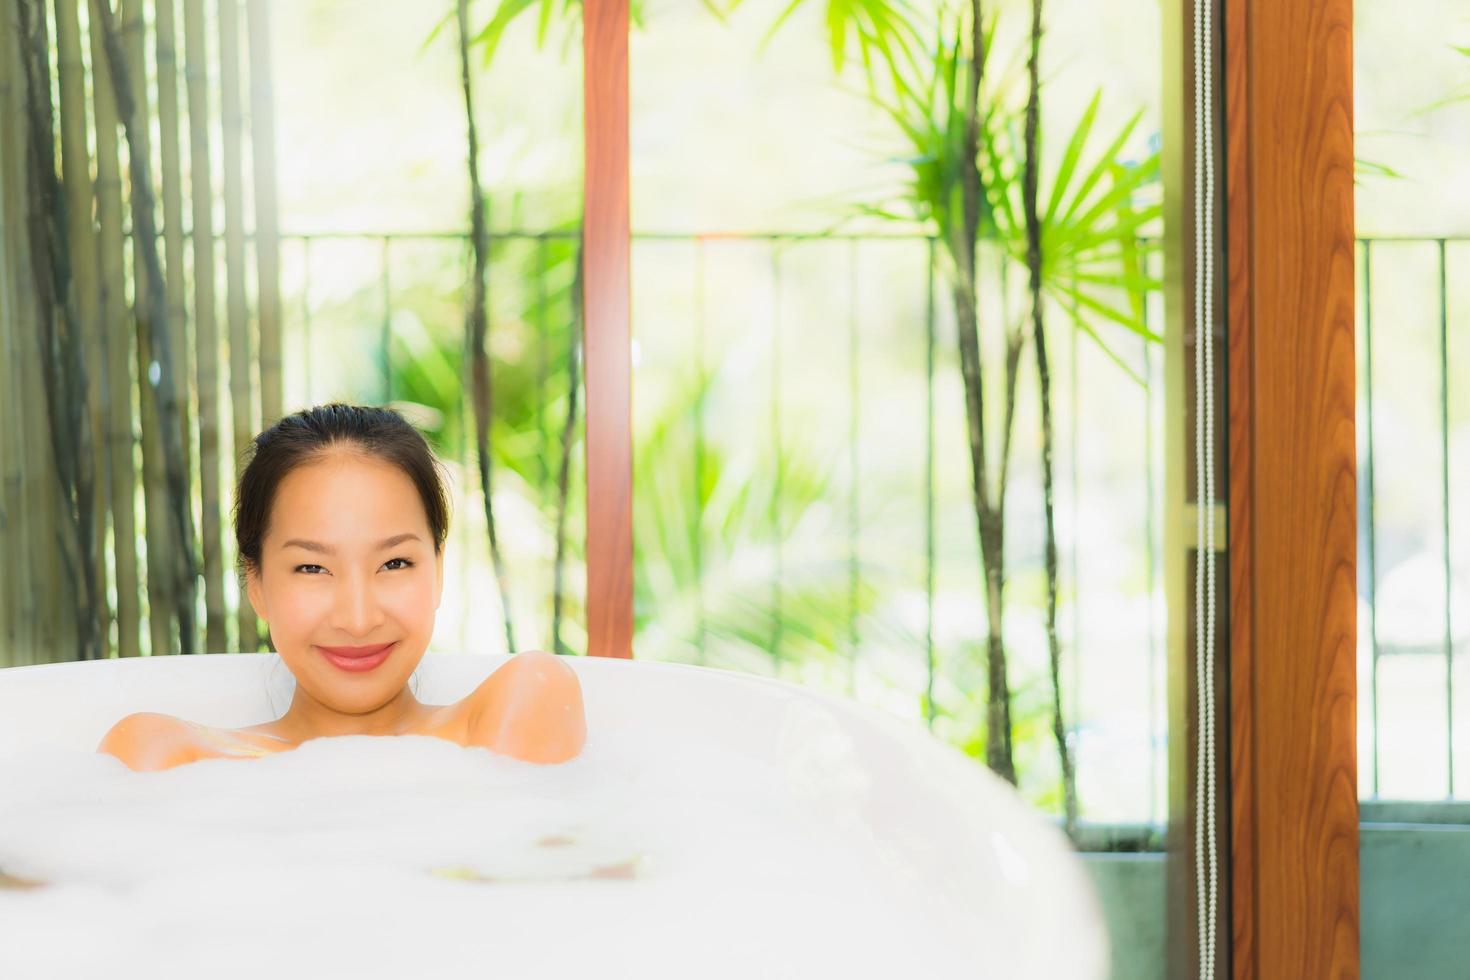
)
(714, 826)
(371, 856)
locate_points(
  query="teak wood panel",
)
(1289, 228)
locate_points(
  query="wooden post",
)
(1293, 456)
(608, 330)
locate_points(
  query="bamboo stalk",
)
(1034, 255)
(116, 347)
(173, 235)
(19, 249)
(82, 240)
(9, 512)
(564, 470)
(31, 530)
(476, 328)
(40, 509)
(206, 326)
(14, 533)
(232, 123)
(155, 317)
(41, 515)
(166, 55)
(65, 449)
(159, 543)
(77, 282)
(267, 228)
(963, 243)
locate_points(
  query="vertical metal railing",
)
(930, 342)
(1151, 542)
(778, 457)
(1368, 523)
(777, 246)
(701, 381)
(1444, 486)
(1371, 512)
(1377, 517)
(854, 408)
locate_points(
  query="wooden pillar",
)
(608, 330)
(1293, 535)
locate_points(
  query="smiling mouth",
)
(357, 659)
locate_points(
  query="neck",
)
(308, 718)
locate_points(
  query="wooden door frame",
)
(1291, 390)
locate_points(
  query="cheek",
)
(410, 600)
(296, 612)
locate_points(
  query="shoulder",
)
(527, 672)
(149, 741)
(530, 708)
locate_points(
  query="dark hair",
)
(305, 436)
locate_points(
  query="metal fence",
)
(1412, 411)
(1412, 425)
(864, 330)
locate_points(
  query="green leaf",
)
(543, 27)
(505, 14)
(1111, 354)
(779, 22)
(1070, 157)
(443, 22)
(1131, 281)
(1132, 324)
(1105, 161)
(837, 34)
(1370, 169)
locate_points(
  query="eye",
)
(390, 561)
(303, 567)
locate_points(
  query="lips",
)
(357, 659)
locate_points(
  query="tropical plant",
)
(476, 323)
(972, 138)
(973, 178)
(534, 428)
(703, 559)
(1460, 94)
(154, 333)
(57, 332)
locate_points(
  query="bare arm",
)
(146, 742)
(530, 709)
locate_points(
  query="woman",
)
(340, 521)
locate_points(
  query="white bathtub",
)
(939, 819)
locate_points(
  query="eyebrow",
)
(317, 546)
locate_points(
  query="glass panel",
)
(804, 502)
(1414, 468)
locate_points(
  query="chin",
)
(354, 699)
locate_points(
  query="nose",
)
(356, 610)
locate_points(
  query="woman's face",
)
(348, 565)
